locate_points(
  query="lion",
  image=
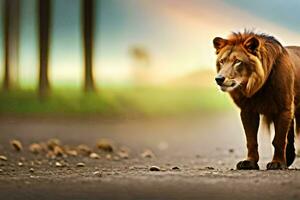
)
(263, 79)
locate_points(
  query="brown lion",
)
(263, 78)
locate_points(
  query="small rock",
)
(17, 145)
(53, 143)
(84, 149)
(94, 156)
(231, 150)
(1, 170)
(58, 164)
(97, 173)
(147, 154)
(154, 168)
(4, 158)
(209, 168)
(35, 148)
(72, 152)
(80, 164)
(20, 164)
(176, 168)
(31, 170)
(58, 151)
(105, 145)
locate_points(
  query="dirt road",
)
(196, 157)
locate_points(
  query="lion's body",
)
(269, 86)
(294, 54)
(281, 88)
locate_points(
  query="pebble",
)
(16, 144)
(231, 150)
(209, 168)
(1, 170)
(154, 168)
(105, 145)
(84, 149)
(58, 164)
(35, 148)
(97, 173)
(58, 151)
(4, 158)
(94, 156)
(80, 164)
(31, 170)
(20, 164)
(72, 152)
(51, 143)
(176, 168)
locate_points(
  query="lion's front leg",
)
(282, 124)
(251, 123)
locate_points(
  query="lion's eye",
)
(237, 65)
(237, 62)
(221, 61)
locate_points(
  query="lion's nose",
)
(220, 79)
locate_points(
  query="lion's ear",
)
(219, 43)
(252, 44)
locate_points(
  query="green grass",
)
(116, 101)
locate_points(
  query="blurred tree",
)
(140, 56)
(44, 22)
(88, 38)
(141, 65)
(11, 42)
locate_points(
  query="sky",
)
(176, 34)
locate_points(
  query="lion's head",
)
(242, 62)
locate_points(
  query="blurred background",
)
(124, 57)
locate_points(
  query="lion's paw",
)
(276, 165)
(247, 165)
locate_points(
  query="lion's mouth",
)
(229, 87)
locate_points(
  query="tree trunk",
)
(44, 11)
(11, 42)
(88, 37)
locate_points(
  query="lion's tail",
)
(290, 148)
